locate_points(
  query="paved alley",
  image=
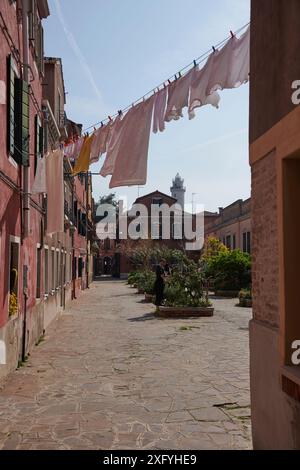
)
(110, 375)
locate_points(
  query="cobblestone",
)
(110, 375)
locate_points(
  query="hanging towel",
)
(131, 157)
(83, 161)
(178, 97)
(159, 110)
(39, 184)
(198, 96)
(99, 144)
(112, 147)
(55, 191)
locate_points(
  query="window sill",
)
(290, 381)
(292, 373)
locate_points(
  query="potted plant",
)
(245, 298)
(184, 295)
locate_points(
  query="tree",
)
(109, 199)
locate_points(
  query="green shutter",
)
(22, 121)
(10, 106)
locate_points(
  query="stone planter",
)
(245, 303)
(149, 298)
(227, 293)
(184, 312)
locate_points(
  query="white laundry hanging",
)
(39, 184)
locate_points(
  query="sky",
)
(115, 51)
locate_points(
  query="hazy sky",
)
(115, 51)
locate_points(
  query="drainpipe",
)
(26, 206)
(26, 169)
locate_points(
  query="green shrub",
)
(229, 270)
(184, 288)
(245, 294)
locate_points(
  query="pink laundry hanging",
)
(198, 95)
(55, 192)
(230, 67)
(112, 145)
(100, 141)
(159, 110)
(178, 96)
(73, 149)
(39, 184)
(131, 153)
(240, 69)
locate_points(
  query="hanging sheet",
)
(39, 184)
(55, 192)
(131, 153)
(100, 141)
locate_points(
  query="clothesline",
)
(194, 63)
(125, 139)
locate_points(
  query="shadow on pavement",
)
(145, 317)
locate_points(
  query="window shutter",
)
(22, 120)
(10, 106)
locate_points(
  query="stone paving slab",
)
(111, 375)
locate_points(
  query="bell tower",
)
(178, 190)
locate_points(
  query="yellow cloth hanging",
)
(83, 161)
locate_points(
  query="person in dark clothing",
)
(159, 285)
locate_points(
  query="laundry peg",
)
(232, 34)
(195, 63)
(179, 74)
(102, 124)
(175, 76)
(213, 48)
(120, 112)
(169, 82)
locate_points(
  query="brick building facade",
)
(232, 225)
(275, 165)
(41, 273)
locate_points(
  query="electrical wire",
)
(194, 63)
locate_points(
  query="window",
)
(57, 270)
(46, 271)
(52, 270)
(75, 268)
(39, 141)
(228, 241)
(36, 36)
(234, 241)
(13, 278)
(80, 267)
(38, 272)
(157, 200)
(247, 242)
(70, 267)
(17, 115)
